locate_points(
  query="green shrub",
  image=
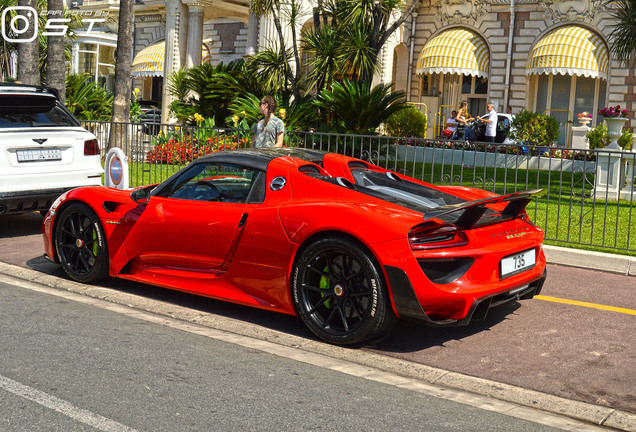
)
(409, 122)
(86, 99)
(535, 129)
(597, 138)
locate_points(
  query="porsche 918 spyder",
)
(347, 246)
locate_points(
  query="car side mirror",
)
(141, 196)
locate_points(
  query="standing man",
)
(269, 131)
(491, 123)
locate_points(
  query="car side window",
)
(214, 182)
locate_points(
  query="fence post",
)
(609, 175)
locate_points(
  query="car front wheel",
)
(339, 292)
(81, 244)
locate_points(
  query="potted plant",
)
(615, 119)
(585, 118)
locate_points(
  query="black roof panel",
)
(260, 158)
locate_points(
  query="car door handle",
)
(243, 220)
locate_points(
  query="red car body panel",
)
(245, 253)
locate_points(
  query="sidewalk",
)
(614, 263)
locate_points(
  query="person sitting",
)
(451, 125)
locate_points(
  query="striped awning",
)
(570, 50)
(149, 61)
(457, 51)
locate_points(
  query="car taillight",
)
(91, 147)
(434, 236)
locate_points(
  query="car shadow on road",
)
(406, 337)
(273, 320)
(409, 336)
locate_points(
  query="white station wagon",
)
(44, 151)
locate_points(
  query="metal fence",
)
(590, 200)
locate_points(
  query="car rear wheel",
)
(81, 244)
(340, 294)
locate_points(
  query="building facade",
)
(548, 56)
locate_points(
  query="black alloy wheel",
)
(80, 244)
(340, 294)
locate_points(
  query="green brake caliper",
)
(325, 285)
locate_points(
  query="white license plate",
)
(36, 155)
(517, 263)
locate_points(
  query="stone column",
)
(75, 58)
(171, 61)
(195, 34)
(252, 35)
(610, 175)
(578, 137)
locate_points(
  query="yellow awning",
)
(570, 50)
(149, 61)
(457, 51)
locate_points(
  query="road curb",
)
(614, 263)
(593, 414)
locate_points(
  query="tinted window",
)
(217, 182)
(33, 111)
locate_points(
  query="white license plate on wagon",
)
(37, 155)
(517, 263)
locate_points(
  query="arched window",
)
(454, 66)
(568, 75)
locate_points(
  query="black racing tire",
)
(339, 292)
(80, 244)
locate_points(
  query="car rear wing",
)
(466, 215)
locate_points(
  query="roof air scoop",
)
(344, 182)
(393, 176)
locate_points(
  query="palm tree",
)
(273, 7)
(56, 67)
(324, 45)
(356, 107)
(28, 52)
(123, 66)
(623, 36)
(363, 26)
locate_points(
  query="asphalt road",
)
(580, 351)
(71, 366)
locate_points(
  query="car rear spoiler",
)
(466, 215)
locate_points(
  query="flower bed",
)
(186, 148)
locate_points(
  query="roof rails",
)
(21, 88)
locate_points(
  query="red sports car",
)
(348, 246)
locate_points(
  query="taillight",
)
(434, 236)
(91, 147)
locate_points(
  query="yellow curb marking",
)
(585, 304)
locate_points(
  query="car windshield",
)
(32, 111)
